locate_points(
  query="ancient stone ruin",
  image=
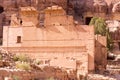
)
(57, 38)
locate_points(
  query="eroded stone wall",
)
(100, 53)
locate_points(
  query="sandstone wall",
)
(116, 16)
(60, 58)
(9, 74)
(10, 38)
(2, 16)
(28, 14)
(100, 53)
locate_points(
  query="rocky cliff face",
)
(36, 3)
(72, 7)
(42, 4)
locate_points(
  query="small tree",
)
(99, 25)
(101, 29)
(109, 40)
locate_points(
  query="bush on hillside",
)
(23, 66)
(21, 58)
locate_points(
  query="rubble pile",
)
(112, 72)
(113, 68)
(99, 77)
(29, 69)
(6, 59)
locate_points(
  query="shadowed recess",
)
(1, 9)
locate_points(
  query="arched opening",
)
(1, 9)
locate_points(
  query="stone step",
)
(44, 49)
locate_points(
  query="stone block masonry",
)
(10, 74)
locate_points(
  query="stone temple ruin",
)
(57, 32)
(59, 36)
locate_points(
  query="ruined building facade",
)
(60, 41)
(41, 30)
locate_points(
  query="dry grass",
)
(23, 66)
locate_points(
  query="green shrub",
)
(100, 27)
(21, 58)
(15, 58)
(23, 66)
